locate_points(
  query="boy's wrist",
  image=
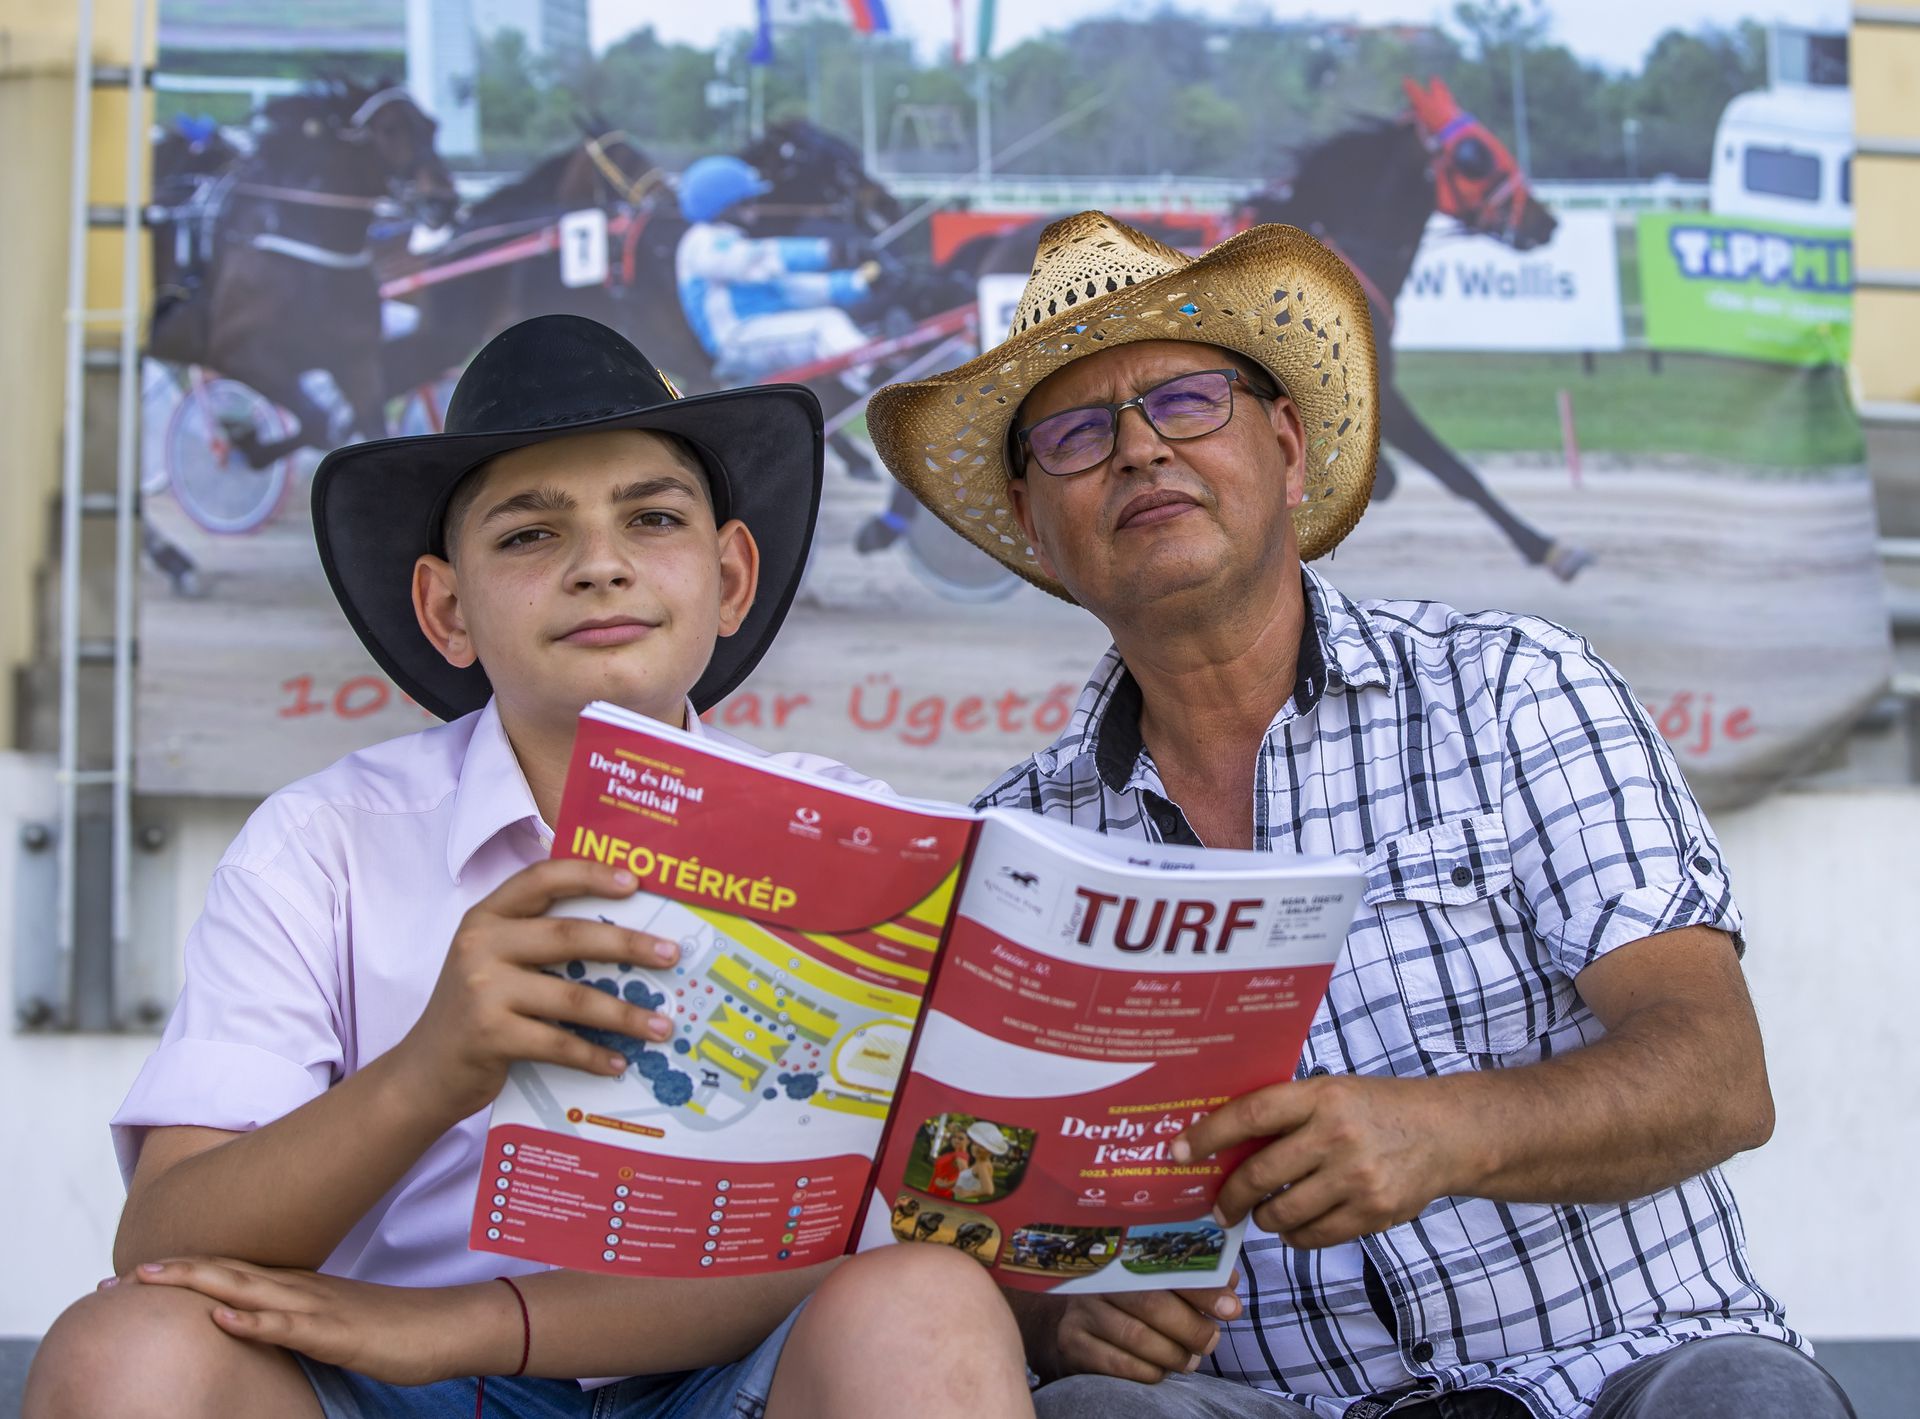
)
(481, 1331)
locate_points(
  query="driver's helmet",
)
(710, 186)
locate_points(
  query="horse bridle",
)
(630, 190)
(1510, 192)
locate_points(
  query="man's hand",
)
(493, 1004)
(1135, 1335)
(401, 1335)
(1349, 1156)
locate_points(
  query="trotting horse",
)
(607, 169)
(291, 253)
(1368, 193)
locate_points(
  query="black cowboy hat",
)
(378, 506)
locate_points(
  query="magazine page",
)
(1095, 996)
(808, 915)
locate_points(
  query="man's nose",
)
(1136, 442)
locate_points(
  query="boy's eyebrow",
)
(534, 500)
(652, 488)
(556, 500)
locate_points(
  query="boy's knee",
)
(128, 1351)
(922, 1279)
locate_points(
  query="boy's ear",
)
(739, 574)
(436, 605)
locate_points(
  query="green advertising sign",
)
(1740, 286)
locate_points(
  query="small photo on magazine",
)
(961, 1158)
(917, 1220)
(1161, 1247)
(1049, 1249)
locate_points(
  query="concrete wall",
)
(1831, 961)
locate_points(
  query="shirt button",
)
(1317, 1071)
(1423, 1351)
(1703, 864)
(1463, 876)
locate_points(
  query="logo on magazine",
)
(806, 822)
(1016, 888)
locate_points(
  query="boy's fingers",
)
(550, 998)
(530, 891)
(548, 941)
(232, 1282)
(550, 1044)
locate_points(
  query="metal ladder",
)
(74, 972)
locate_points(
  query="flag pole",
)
(869, 136)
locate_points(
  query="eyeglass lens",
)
(1184, 407)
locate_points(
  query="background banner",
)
(1758, 290)
(1610, 266)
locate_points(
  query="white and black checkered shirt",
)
(1519, 818)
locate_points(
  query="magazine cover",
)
(900, 1021)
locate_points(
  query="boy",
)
(367, 967)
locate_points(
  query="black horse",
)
(290, 252)
(607, 169)
(1369, 193)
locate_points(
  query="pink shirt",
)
(324, 931)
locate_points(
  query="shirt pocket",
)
(1470, 977)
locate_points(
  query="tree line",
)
(1171, 93)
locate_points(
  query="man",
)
(1490, 1189)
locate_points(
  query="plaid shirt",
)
(1519, 818)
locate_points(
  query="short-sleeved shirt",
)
(325, 927)
(1519, 818)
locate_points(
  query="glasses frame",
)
(1021, 443)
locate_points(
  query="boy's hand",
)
(1135, 1335)
(493, 1004)
(400, 1335)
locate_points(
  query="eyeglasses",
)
(1184, 407)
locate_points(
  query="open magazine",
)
(898, 1020)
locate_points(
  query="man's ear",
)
(1291, 437)
(739, 574)
(436, 605)
(1023, 512)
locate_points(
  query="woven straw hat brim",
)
(1272, 294)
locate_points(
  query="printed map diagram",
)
(765, 1019)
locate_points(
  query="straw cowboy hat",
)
(378, 506)
(1272, 294)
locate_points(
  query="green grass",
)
(1736, 411)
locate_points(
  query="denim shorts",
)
(736, 1391)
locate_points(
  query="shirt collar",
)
(492, 794)
(1344, 651)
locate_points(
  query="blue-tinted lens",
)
(1076, 439)
(1191, 405)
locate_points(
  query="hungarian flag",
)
(762, 51)
(870, 16)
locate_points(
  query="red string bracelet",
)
(526, 1348)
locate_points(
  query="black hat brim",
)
(376, 506)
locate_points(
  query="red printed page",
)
(808, 915)
(1094, 998)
